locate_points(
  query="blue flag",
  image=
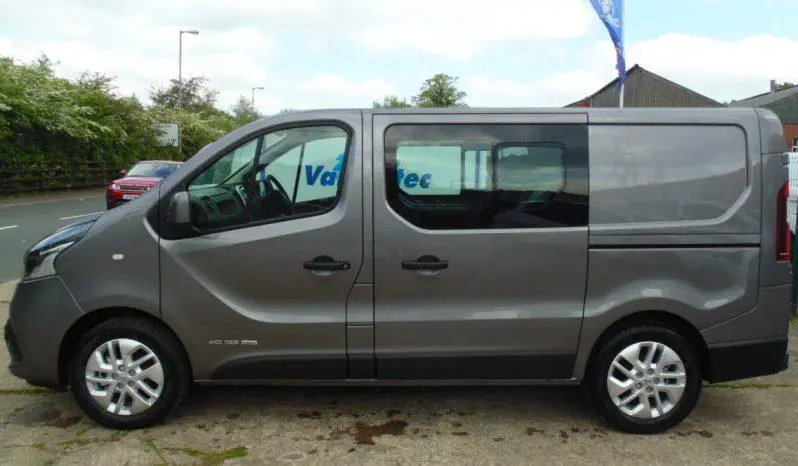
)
(611, 14)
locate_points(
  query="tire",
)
(169, 362)
(644, 392)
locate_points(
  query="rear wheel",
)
(645, 379)
(128, 373)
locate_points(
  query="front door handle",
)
(326, 264)
(425, 263)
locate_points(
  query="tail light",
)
(782, 225)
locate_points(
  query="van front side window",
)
(293, 173)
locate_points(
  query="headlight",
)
(40, 258)
(114, 187)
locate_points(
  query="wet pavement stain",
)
(498, 439)
(65, 422)
(233, 416)
(702, 433)
(364, 433)
(392, 412)
(310, 415)
(534, 430)
(457, 424)
(41, 413)
(460, 433)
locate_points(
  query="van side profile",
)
(637, 252)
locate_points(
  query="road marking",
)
(78, 216)
(9, 227)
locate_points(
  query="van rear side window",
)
(665, 173)
(487, 176)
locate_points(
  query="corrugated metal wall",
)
(786, 109)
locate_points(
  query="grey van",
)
(637, 252)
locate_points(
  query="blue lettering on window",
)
(424, 183)
(312, 174)
(412, 180)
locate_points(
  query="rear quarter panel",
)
(683, 234)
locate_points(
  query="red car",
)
(139, 179)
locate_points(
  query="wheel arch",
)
(94, 318)
(659, 318)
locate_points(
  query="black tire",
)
(177, 374)
(596, 381)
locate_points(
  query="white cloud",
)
(721, 70)
(551, 91)
(330, 83)
(456, 29)
(240, 42)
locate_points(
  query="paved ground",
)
(753, 422)
(25, 220)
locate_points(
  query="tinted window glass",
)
(488, 176)
(152, 169)
(292, 173)
(665, 173)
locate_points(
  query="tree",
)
(440, 91)
(391, 101)
(784, 86)
(244, 112)
(196, 96)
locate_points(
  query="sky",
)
(348, 53)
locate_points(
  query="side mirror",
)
(180, 210)
(122, 173)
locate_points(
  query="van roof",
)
(531, 110)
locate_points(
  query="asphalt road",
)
(25, 220)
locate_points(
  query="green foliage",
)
(784, 86)
(244, 112)
(195, 95)
(59, 133)
(440, 91)
(391, 101)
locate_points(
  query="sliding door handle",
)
(425, 263)
(326, 264)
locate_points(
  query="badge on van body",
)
(233, 342)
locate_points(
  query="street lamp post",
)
(259, 88)
(180, 66)
(180, 85)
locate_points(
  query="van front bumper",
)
(41, 313)
(746, 359)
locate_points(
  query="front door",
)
(259, 289)
(480, 243)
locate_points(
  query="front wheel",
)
(128, 373)
(645, 379)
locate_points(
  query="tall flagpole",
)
(623, 43)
